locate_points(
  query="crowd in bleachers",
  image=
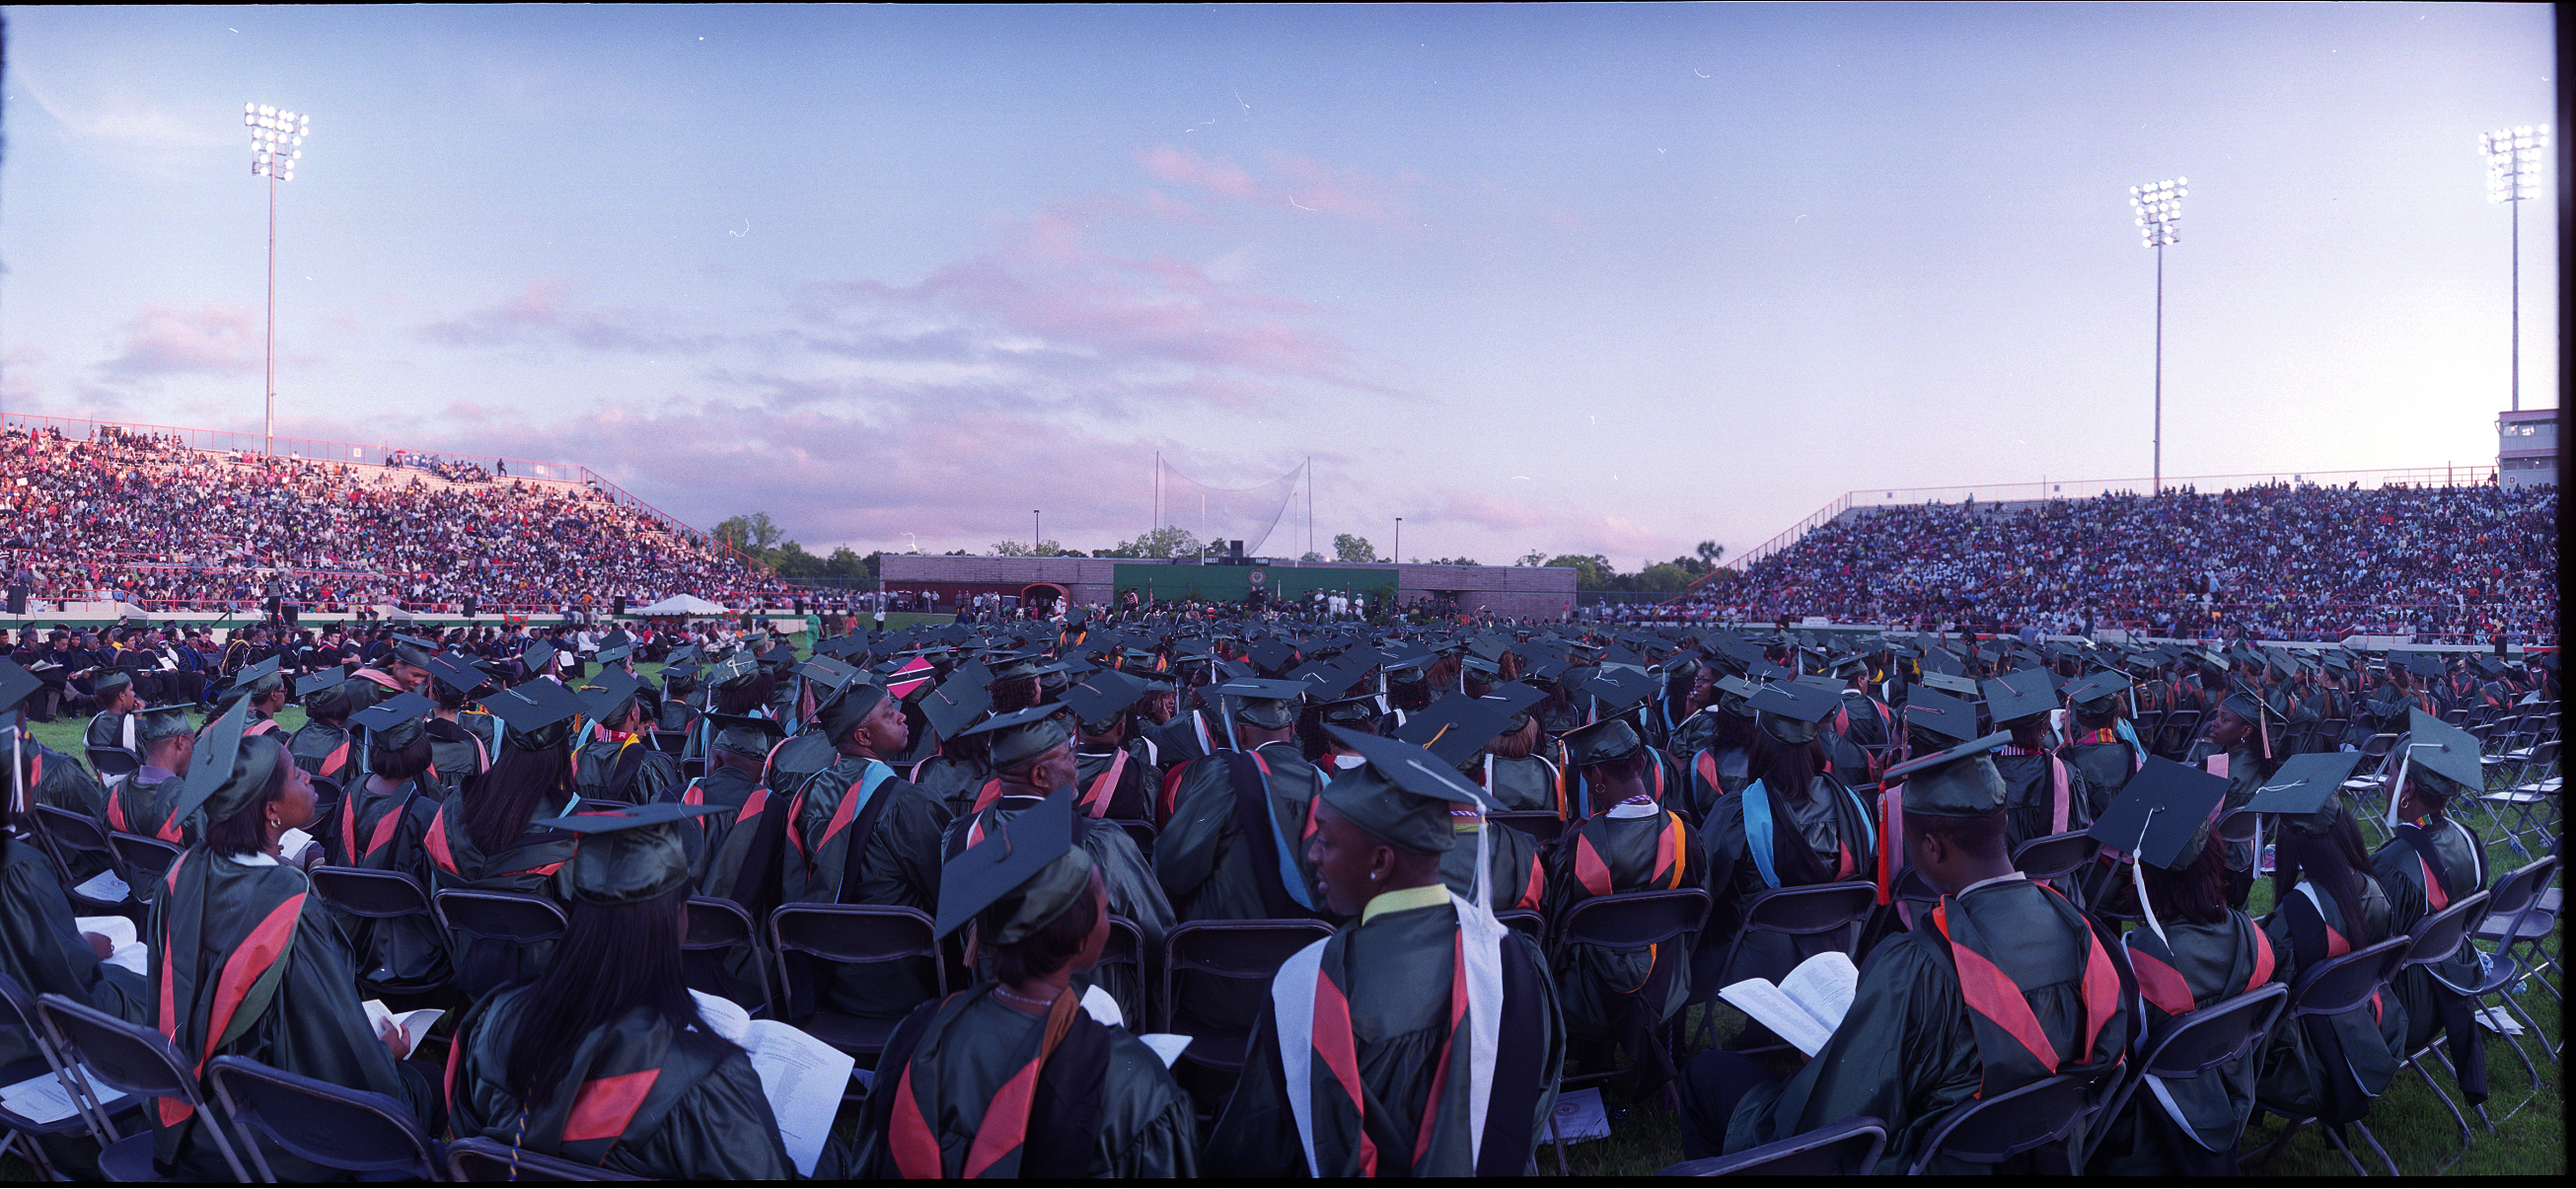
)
(2282, 562)
(151, 521)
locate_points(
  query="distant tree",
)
(1590, 572)
(1167, 541)
(1310, 555)
(1452, 561)
(1350, 548)
(754, 534)
(1710, 552)
(1047, 548)
(1532, 558)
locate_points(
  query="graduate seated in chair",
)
(1012, 1077)
(248, 962)
(1375, 1045)
(1920, 1039)
(1623, 996)
(2431, 862)
(2328, 904)
(40, 945)
(605, 1059)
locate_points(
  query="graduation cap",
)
(1272, 655)
(2098, 694)
(681, 655)
(746, 734)
(2019, 696)
(2302, 790)
(826, 674)
(1958, 782)
(1455, 728)
(108, 681)
(1027, 870)
(910, 677)
(956, 703)
(2423, 664)
(15, 684)
(1349, 712)
(2444, 750)
(255, 679)
(842, 712)
(394, 723)
(539, 655)
(1401, 796)
(154, 722)
(2248, 704)
(610, 656)
(1965, 687)
(604, 699)
(1601, 742)
(2159, 814)
(629, 855)
(1615, 691)
(1103, 695)
(537, 714)
(229, 769)
(1023, 735)
(1263, 702)
(1790, 711)
(457, 674)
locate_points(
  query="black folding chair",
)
(1142, 832)
(1849, 1148)
(472, 916)
(2189, 1046)
(1529, 922)
(476, 1159)
(669, 742)
(149, 858)
(2437, 938)
(718, 925)
(2519, 919)
(113, 762)
(2328, 989)
(2055, 856)
(847, 934)
(1628, 921)
(68, 833)
(2175, 734)
(17, 1019)
(1250, 950)
(378, 896)
(1814, 918)
(1993, 1130)
(137, 1061)
(357, 1131)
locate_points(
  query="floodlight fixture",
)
(2158, 206)
(276, 144)
(2514, 164)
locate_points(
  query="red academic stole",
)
(2014, 1048)
(2162, 985)
(1004, 1129)
(1096, 800)
(255, 965)
(1669, 861)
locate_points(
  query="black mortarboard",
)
(1790, 711)
(604, 700)
(1601, 742)
(1958, 782)
(2446, 751)
(629, 855)
(229, 769)
(537, 714)
(2424, 664)
(2019, 696)
(1454, 728)
(746, 734)
(15, 684)
(1965, 687)
(158, 722)
(956, 703)
(2171, 803)
(1401, 796)
(826, 674)
(457, 674)
(1350, 711)
(1614, 690)
(2097, 694)
(1026, 865)
(1263, 702)
(1023, 735)
(396, 722)
(1103, 694)
(2302, 790)
(1272, 655)
(614, 654)
(539, 655)
(842, 713)
(107, 681)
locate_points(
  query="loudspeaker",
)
(472, 605)
(617, 607)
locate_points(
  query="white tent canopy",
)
(679, 604)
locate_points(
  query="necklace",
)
(1005, 993)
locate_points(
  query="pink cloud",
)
(1316, 186)
(538, 315)
(1188, 168)
(207, 340)
(1491, 511)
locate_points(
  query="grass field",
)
(2415, 1129)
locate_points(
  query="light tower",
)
(276, 142)
(2159, 207)
(2513, 174)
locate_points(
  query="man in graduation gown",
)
(2042, 791)
(2103, 752)
(2430, 863)
(1116, 779)
(324, 746)
(1013, 1077)
(1232, 848)
(859, 834)
(733, 780)
(146, 802)
(1919, 1038)
(117, 699)
(48, 776)
(1636, 845)
(1422, 1038)
(1034, 755)
(617, 760)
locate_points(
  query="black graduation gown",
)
(246, 963)
(1125, 874)
(1130, 796)
(2103, 763)
(1838, 829)
(44, 951)
(642, 1098)
(1624, 994)
(882, 848)
(2189, 1128)
(2299, 1081)
(2031, 792)
(624, 769)
(382, 831)
(2418, 885)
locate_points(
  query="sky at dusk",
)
(1599, 278)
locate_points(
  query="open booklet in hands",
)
(1806, 1007)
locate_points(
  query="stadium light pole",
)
(1398, 556)
(2159, 208)
(2513, 174)
(276, 142)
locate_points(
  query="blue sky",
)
(1595, 278)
